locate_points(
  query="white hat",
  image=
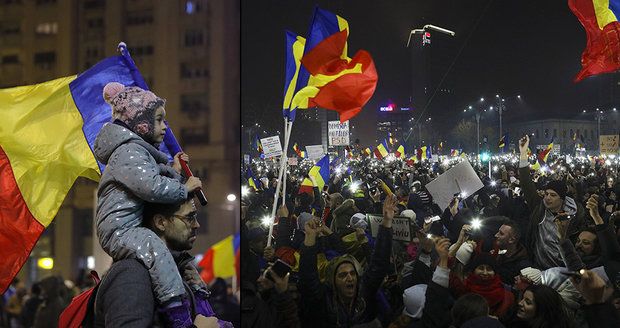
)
(408, 214)
(532, 274)
(414, 298)
(463, 254)
(358, 220)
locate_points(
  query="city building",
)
(188, 53)
(562, 131)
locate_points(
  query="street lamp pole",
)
(599, 116)
(478, 132)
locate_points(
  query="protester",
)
(502, 256)
(125, 297)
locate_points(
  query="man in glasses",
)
(125, 298)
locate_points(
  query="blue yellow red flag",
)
(329, 78)
(400, 152)
(382, 150)
(320, 172)
(294, 51)
(46, 141)
(252, 182)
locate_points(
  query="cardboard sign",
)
(292, 161)
(401, 228)
(246, 159)
(271, 146)
(461, 178)
(338, 134)
(315, 152)
(609, 144)
(556, 150)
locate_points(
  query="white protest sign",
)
(315, 152)
(292, 161)
(401, 228)
(246, 159)
(461, 178)
(271, 146)
(338, 134)
(609, 144)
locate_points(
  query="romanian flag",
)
(320, 172)
(368, 151)
(294, 51)
(46, 139)
(541, 159)
(221, 260)
(329, 78)
(454, 152)
(503, 142)
(412, 160)
(440, 147)
(400, 152)
(424, 152)
(575, 136)
(297, 150)
(600, 20)
(302, 154)
(390, 139)
(258, 145)
(382, 150)
(252, 180)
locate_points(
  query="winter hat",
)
(302, 219)
(482, 259)
(358, 220)
(557, 186)
(532, 274)
(408, 214)
(133, 106)
(414, 299)
(463, 254)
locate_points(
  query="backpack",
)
(80, 312)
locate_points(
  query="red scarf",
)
(492, 290)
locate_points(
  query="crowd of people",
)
(532, 248)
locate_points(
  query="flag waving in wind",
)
(329, 78)
(382, 150)
(294, 51)
(400, 152)
(600, 20)
(48, 131)
(320, 172)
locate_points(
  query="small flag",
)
(368, 151)
(382, 150)
(320, 172)
(503, 142)
(252, 182)
(297, 150)
(400, 152)
(390, 139)
(221, 260)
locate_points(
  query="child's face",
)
(159, 126)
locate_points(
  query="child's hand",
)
(193, 184)
(177, 164)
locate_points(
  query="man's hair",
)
(597, 244)
(516, 230)
(467, 307)
(167, 210)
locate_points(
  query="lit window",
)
(189, 7)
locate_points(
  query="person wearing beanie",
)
(483, 281)
(136, 172)
(542, 241)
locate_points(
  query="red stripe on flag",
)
(19, 229)
(206, 264)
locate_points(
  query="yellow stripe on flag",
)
(224, 258)
(42, 135)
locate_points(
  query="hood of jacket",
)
(333, 267)
(112, 135)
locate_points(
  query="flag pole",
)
(280, 175)
(287, 136)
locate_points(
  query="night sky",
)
(531, 48)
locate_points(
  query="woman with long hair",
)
(540, 307)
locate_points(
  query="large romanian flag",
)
(221, 260)
(46, 139)
(329, 78)
(400, 152)
(600, 20)
(294, 51)
(320, 172)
